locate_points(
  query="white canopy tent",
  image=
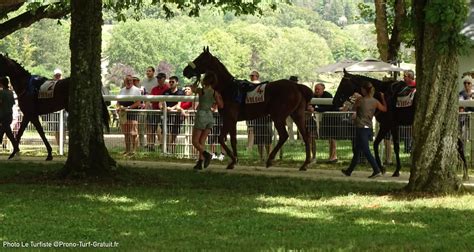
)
(367, 65)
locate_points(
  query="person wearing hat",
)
(465, 94)
(57, 74)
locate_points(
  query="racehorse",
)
(31, 106)
(390, 120)
(281, 98)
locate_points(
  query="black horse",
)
(31, 106)
(281, 99)
(390, 120)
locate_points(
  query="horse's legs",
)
(396, 148)
(380, 136)
(460, 148)
(39, 128)
(232, 155)
(280, 125)
(299, 119)
(22, 128)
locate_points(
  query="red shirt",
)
(186, 105)
(158, 90)
(412, 83)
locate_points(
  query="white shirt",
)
(131, 91)
(148, 84)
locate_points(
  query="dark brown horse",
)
(390, 120)
(282, 98)
(30, 105)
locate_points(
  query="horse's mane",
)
(380, 86)
(20, 67)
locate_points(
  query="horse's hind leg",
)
(460, 148)
(396, 148)
(232, 154)
(380, 135)
(39, 128)
(280, 125)
(299, 119)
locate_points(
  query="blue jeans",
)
(362, 146)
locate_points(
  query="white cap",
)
(57, 71)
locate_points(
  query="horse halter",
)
(194, 70)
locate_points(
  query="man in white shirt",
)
(129, 122)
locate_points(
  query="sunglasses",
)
(171, 81)
(467, 82)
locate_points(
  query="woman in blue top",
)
(204, 118)
(6, 114)
(365, 108)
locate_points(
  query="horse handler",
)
(6, 113)
(204, 118)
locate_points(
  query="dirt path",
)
(312, 173)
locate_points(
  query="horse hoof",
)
(396, 174)
(303, 169)
(13, 154)
(49, 158)
(230, 167)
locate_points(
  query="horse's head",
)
(347, 87)
(203, 63)
(5, 63)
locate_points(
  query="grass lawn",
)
(173, 209)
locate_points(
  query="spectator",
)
(154, 117)
(365, 109)
(204, 119)
(6, 114)
(465, 94)
(141, 115)
(174, 113)
(319, 92)
(186, 108)
(255, 79)
(149, 82)
(129, 122)
(409, 79)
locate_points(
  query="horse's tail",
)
(306, 92)
(105, 115)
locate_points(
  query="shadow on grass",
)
(182, 210)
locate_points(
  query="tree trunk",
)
(87, 154)
(436, 118)
(389, 47)
(381, 28)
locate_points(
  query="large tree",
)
(438, 45)
(87, 152)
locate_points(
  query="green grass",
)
(171, 209)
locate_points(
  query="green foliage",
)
(449, 17)
(293, 53)
(40, 48)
